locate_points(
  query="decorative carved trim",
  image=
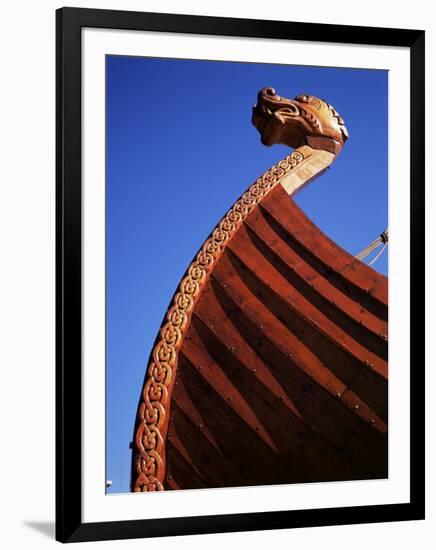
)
(148, 471)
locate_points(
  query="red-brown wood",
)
(282, 375)
(270, 365)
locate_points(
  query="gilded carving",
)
(305, 120)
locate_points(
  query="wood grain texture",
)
(283, 371)
(271, 363)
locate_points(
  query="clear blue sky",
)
(180, 150)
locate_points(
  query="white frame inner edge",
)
(96, 505)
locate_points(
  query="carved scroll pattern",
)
(152, 421)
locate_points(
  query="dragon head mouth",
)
(303, 120)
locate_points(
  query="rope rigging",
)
(381, 240)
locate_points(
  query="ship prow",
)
(271, 364)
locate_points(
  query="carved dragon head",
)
(305, 120)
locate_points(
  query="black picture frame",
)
(69, 526)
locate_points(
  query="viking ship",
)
(270, 366)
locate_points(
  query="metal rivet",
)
(372, 421)
(356, 407)
(339, 395)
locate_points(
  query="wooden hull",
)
(271, 362)
(282, 374)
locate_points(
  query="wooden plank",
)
(337, 304)
(290, 303)
(345, 270)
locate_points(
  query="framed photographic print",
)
(240, 274)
